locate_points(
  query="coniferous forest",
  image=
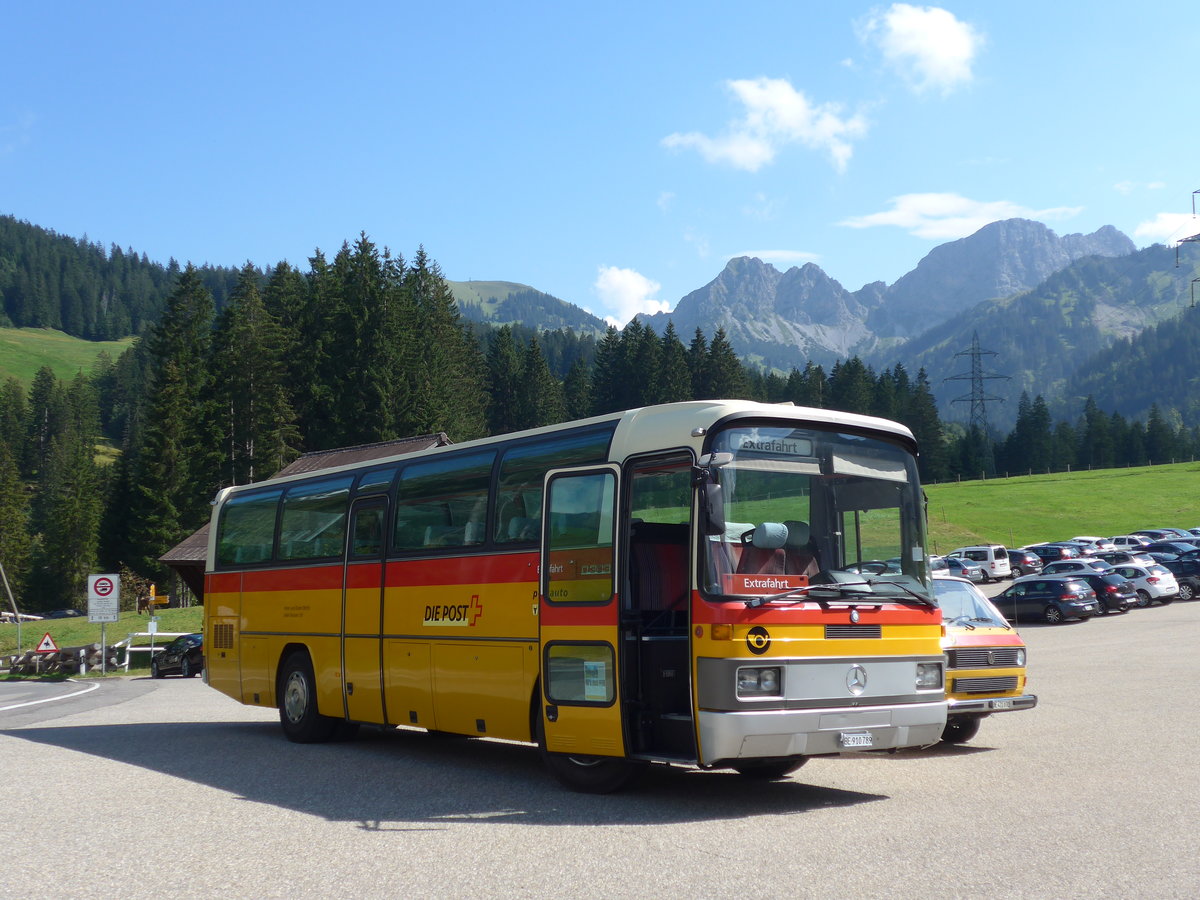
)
(238, 372)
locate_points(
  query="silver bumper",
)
(992, 705)
(751, 734)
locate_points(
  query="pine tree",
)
(539, 395)
(608, 373)
(448, 379)
(577, 391)
(697, 360)
(179, 463)
(921, 417)
(69, 491)
(675, 379)
(726, 375)
(259, 430)
(13, 417)
(15, 540)
(504, 377)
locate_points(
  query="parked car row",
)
(1088, 575)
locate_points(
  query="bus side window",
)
(442, 502)
(312, 523)
(519, 485)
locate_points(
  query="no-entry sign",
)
(104, 598)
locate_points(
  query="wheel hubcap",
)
(295, 697)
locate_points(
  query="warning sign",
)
(47, 645)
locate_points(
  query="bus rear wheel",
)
(298, 714)
(588, 774)
(770, 769)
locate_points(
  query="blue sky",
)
(615, 155)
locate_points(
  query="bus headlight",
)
(1021, 657)
(760, 682)
(929, 676)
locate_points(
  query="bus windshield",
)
(963, 604)
(812, 506)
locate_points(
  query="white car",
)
(1098, 544)
(1153, 582)
(1128, 541)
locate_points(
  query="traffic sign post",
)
(104, 605)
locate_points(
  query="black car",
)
(1048, 553)
(1174, 548)
(1186, 570)
(1123, 557)
(1053, 600)
(1113, 593)
(1024, 562)
(183, 656)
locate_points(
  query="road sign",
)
(47, 645)
(104, 598)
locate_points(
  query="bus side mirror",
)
(712, 508)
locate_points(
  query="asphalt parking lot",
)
(143, 787)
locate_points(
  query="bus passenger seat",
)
(765, 554)
(522, 528)
(800, 550)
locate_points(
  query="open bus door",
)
(579, 718)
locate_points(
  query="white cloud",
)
(1128, 187)
(927, 45)
(627, 293)
(951, 216)
(665, 199)
(787, 257)
(1167, 227)
(699, 241)
(762, 207)
(776, 115)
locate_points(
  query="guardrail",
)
(130, 649)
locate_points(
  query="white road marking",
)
(90, 687)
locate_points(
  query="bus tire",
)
(958, 730)
(770, 769)
(298, 715)
(588, 774)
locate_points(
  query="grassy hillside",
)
(1025, 510)
(481, 292)
(25, 350)
(79, 632)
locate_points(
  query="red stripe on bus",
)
(316, 578)
(566, 614)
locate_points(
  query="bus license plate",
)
(855, 739)
(1001, 704)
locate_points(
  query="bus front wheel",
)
(769, 769)
(588, 774)
(298, 714)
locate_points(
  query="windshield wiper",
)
(823, 593)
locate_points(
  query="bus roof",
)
(640, 430)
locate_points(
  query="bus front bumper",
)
(989, 705)
(751, 734)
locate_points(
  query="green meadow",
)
(1029, 509)
(25, 350)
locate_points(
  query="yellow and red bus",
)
(691, 583)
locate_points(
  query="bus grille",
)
(849, 632)
(981, 657)
(222, 637)
(983, 685)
